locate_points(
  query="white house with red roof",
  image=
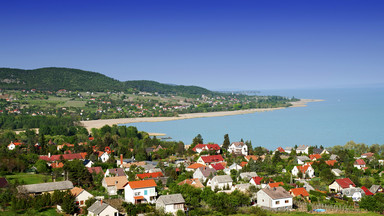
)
(209, 159)
(359, 164)
(304, 169)
(140, 191)
(239, 148)
(339, 184)
(206, 147)
(13, 145)
(217, 166)
(279, 149)
(257, 182)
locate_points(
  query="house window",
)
(145, 192)
(286, 201)
(82, 202)
(178, 206)
(277, 202)
(137, 193)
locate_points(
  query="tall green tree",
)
(226, 142)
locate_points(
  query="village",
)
(180, 179)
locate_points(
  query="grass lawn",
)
(325, 214)
(73, 104)
(47, 212)
(29, 178)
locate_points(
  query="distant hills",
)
(54, 78)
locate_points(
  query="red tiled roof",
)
(331, 162)
(212, 158)
(359, 162)
(369, 154)
(314, 156)
(217, 166)
(299, 192)
(367, 192)
(303, 168)
(57, 165)
(150, 175)
(242, 164)
(280, 149)
(345, 182)
(195, 166)
(276, 184)
(96, 170)
(65, 157)
(206, 147)
(142, 184)
(257, 180)
(253, 157)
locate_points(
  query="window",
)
(277, 202)
(146, 192)
(286, 201)
(137, 193)
(178, 206)
(82, 202)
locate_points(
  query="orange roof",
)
(253, 157)
(331, 162)
(142, 184)
(57, 165)
(299, 192)
(118, 181)
(314, 156)
(76, 191)
(138, 197)
(150, 175)
(193, 182)
(276, 184)
(195, 166)
(242, 164)
(303, 168)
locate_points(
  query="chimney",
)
(101, 202)
(49, 155)
(121, 159)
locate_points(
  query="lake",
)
(346, 114)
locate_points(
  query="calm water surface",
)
(346, 114)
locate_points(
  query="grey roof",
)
(206, 171)
(317, 150)
(288, 148)
(222, 179)
(338, 171)
(148, 166)
(97, 207)
(277, 193)
(171, 199)
(303, 158)
(374, 188)
(45, 187)
(302, 147)
(117, 171)
(333, 157)
(248, 175)
(351, 191)
(243, 187)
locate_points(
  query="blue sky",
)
(217, 44)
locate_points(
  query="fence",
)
(302, 207)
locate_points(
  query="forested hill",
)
(54, 79)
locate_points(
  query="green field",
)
(48, 212)
(29, 178)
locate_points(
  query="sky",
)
(216, 44)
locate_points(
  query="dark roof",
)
(3, 182)
(317, 150)
(117, 171)
(277, 193)
(45, 187)
(206, 171)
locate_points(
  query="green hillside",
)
(53, 79)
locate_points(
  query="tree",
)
(68, 204)
(226, 142)
(197, 140)
(41, 166)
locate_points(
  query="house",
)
(114, 184)
(194, 166)
(206, 147)
(275, 184)
(203, 173)
(13, 145)
(3, 182)
(299, 192)
(339, 184)
(333, 157)
(217, 166)
(222, 182)
(243, 164)
(367, 192)
(249, 157)
(337, 172)
(100, 208)
(257, 181)
(243, 187)
(88, 163)
(103, 156)
(69, 157)
(193, 182)
(368, 155)
(171, 203)
(59, 147)
(36, 189)
(359, 164)
(143, 191)
(303, 149)
(314, 157)
(80, 195)
(276, 198)
(57, 165)
(234, 166)
(305, 170)
(355, 193)
(150, 175)
(376, 189)
(239, 148)
(320, 151)
(279, 149)
(248, 175)
(207, 160)
(95, 170)
(302, 159)
(115, 172)
(288, 150)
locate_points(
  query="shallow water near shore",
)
(346, 114)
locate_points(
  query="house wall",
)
(200, 161)
(335, 187)
(147, 193)
(82, 197)
(263, 200)
(104, 157)
(109, 211)
(198, 174)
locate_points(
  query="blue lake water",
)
(346, 114)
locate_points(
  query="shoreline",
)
(101, 122)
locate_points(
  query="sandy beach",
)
(100, 123)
